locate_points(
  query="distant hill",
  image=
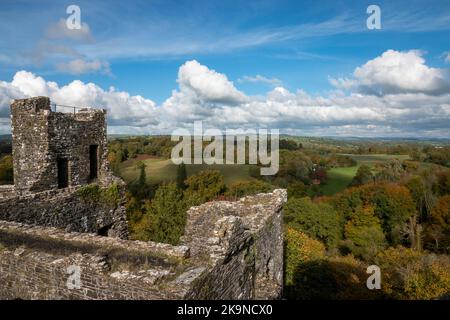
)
(323, 138)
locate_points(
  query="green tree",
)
(135, 212)
(363, 175)
(327, 278)
(297, 190)
(142, 174)
(204, 186)
(349, 201)
(240, 189)
(289, 144)
(165, 216)
(6, 170)
(294, 166)
(364, 234)
(439, 156)
(319, 221)
(422, 194)
(181, 176)
(141, 189)
(394, 206)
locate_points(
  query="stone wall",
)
(244, 242)
(7, 191)
(74, 209)
(41, 137)
(230, 250)
(37, 262)
(30, 141)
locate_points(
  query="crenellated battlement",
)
(67, 149)
(44, 105)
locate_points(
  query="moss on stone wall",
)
(95, 194)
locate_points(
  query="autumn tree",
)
(438, 228)
(392, 203)
(319, 173)
(114, 162)
(442, 186)
(347, 202)
(410, 274)
(299, 249)
(394, 206)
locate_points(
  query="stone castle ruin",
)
(63, 228)
(54, 150)
(55, 156)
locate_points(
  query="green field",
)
(338, 179)
(163, 170)
(371, 159)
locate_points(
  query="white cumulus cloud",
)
(412, 109)
(206, 84)
(122, 108)
(397, 72)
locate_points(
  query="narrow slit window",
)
(63, 173)
(93, 162)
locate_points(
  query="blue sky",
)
(138, 47)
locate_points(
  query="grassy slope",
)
(163, 170)
(339, 178)
(371, 159)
